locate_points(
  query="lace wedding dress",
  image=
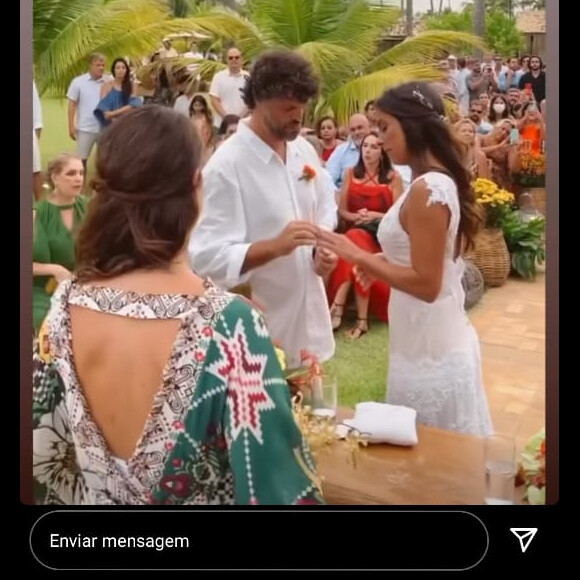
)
(434, 354)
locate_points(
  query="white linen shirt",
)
(86, 92)
(250, 195)
(227, 88)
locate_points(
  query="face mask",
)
(499, 108)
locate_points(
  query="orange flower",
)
(308, 172)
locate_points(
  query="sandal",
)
(360, 329)
(336, 312)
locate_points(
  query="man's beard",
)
(285, 132)
(288, 133)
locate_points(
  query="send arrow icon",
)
(525, 536)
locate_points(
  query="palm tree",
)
(65, 32)
(479, 18)
(341, 39)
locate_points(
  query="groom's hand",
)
(324, 261)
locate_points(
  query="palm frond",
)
(283, 22)
(351, 97)
(360, 25)
(426, 46)
(332, 62)
(132, 28)
(82, 27)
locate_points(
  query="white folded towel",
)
(384, 423)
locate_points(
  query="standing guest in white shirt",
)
(37, 181)
(463, 73)
(226, 88)
(83, 96)
(266, 198)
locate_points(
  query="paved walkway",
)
(511, 325)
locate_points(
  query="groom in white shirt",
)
(265, 196)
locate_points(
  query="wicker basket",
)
(492, 257)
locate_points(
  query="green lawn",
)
(54, 138)
(360, 366)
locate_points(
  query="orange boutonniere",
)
(308, 172)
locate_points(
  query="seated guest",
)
(369, 189)
(498, 109)
(347, 154)
(56, 221)
(327, 133)
(497, 147)
(475, 158)
(157, 387)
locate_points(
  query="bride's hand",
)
(340, 245)
(363, 277)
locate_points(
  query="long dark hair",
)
(206, 110)
(492, 116)
(385, 165)
(421, 113)
(126, 85)
(143, 206)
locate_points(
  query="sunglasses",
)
(233, 58)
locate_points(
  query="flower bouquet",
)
(532, 471)
(497, 203)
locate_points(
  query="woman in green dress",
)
(55, 223)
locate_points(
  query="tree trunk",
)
(432, 2)
(479, 21)
(409, 19)
(440, 6)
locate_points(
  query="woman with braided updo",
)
(434, 353)
(156, 386)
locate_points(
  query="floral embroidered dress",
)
(434, 352)
(221, 429)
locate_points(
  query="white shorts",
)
(85, 143)
(36, 164)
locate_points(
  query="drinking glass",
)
(500, 470)
(324, 396)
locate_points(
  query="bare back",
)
(123, 362)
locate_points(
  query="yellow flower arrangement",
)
(532, 171)
(496, 202)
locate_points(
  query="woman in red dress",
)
(369, 189)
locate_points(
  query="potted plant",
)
(525, 239)
(491, 255)
(532, 469)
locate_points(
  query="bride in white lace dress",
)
(434, 352)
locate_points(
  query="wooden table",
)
(444, 468)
